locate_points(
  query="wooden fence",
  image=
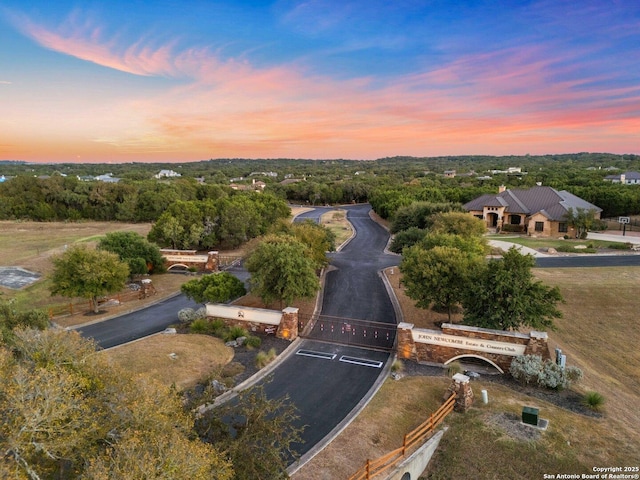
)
(412, 439)
(85, 306)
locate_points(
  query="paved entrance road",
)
(326, 391)
(139, 324)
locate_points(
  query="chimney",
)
(501, 188)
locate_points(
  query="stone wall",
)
(257, 320)
(487, 344)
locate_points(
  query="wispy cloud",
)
(82, 37)
(5, 82)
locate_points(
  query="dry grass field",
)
(196, 357)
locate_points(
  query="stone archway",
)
(467, 355)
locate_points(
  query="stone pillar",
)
(461, 387)
(406, 347)
(288, 328)
(538, 345)
(212, 261)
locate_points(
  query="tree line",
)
(386, 183)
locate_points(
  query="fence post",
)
(368, 470)
(404, 445)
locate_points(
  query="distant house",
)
(449, 173)
(255, 185)
(167, 174)
(626, 178)
(509, 171)
(540, 211)
(108, 178)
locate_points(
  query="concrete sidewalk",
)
(504, 245)
(630, 237)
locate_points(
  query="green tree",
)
(457, 223)
(440, 275)
(406, 238)
(141, 255)
(473, 246)
(318, 238)
(282, 269)
(11, 318)
(87, 273)
(419, 214)
(258, 434)
(505, 296)
(582, 220)
(167, 231)
(216, 287)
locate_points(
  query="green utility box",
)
(530, 416)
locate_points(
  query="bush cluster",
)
(532, 370)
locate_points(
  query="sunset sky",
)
(191, 80)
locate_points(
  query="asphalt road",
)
(588, 260)
(139, 324)
(325, 390)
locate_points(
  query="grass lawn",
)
(537, 243)
(336, 221)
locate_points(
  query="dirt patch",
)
(511, 425)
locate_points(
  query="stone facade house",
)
(540, 211)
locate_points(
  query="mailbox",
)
(530, 416)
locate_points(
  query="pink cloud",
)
(508, 101)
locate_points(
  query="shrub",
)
(593, 401)
(551, 376)
(186, 315)
(200, 325)
(513, 228)
(235, 332)
(453, 368)
(525, 368)
(217, 327)
(397, 366)
(620, 246)
(530, 369)
(253, 342)
(264, 358)
(573, 374)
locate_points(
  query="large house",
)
(538, 211)
(626, 178)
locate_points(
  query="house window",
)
(562, 228)
(539, 226)
(515, 219)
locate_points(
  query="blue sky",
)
(179, 81)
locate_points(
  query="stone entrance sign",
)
(496, 347)
(283, 324)
(190, 259)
